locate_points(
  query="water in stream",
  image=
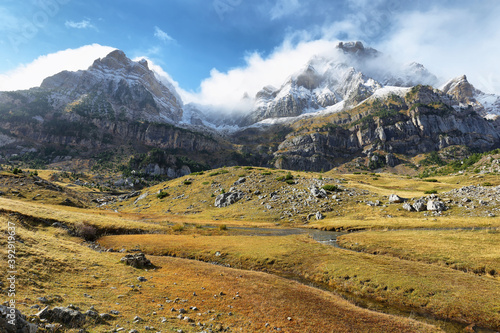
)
(330, 238)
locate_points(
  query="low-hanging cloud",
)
(451, 42)
(227, 91)
(32, 74)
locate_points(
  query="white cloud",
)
(225, 91)
(451, 42)
(284, 8)
(32, 74)
(162, 35)
(84, 24)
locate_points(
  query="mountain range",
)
(355, 104)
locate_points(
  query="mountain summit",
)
(115, 87)
(339, 81)
(353, 102)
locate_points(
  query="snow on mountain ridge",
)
(487, 105)
(131, 88)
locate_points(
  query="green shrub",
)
(222, 227)
(431, 192)
(331, 188)
(197, 173)
(187, 182)
(487, 184)
(220, 172)
(267, 173)
(433, 159)
(431, 180)
(162, 194)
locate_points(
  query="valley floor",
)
(442, 268)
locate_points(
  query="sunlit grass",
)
(476, 251)
(441, 291)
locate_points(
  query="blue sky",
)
(201, 43)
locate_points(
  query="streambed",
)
(330, 238)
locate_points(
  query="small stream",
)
(330, 238)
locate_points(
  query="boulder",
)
(65, 316)
(408, 207)
(240, 181)
(437, 206)
(394, 198)
(420, 205)
(319, 216)
(227, 199)
(137, 260)
(318, 193)
(21, 325)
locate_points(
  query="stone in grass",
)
(22, 325)
(227, 199)
(437, 206)
(319, 216)
(137, 260)
(420, 205)
(394, 198)
(66, 316)
(408, 207)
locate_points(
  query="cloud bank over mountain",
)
(449, 38)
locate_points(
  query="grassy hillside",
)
(392, 265)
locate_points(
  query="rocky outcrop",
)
(66, 316)
(227, 199)
(425, 122)
(115, 86)
(13, 321)
(137, 260)
(394, 198)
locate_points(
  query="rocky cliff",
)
(114, 88)
(423, 121)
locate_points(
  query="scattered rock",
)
(227, 199)
(65, 316)
(22, 326)
(240, 181)
(394, 198)
(408, 207)
(43, 300)
(420, 205)
(106, 316)
(137, 260)
(318, 193)
(435, 205)
(91, 314)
